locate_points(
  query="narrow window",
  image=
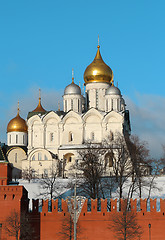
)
(16, 158)
(111, 104)
(51, 137)
(92, 136)
(71, 104)
(111, 136)
(45, 157)
(16, 138)
(65, 105)
(107, 105)
(45, 172)
(78, 105)
(33, 158)
(9, 138)
(39, 156)
(23, 139)
(97, 98)
(70, 137)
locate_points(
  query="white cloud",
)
(148, 120)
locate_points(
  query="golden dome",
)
(17, 124)
(98, 70)
(39, 108)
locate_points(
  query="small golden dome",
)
(17, 124)
(39, 108)
(98, 70)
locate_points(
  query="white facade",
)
(53, 136)
(59, 135)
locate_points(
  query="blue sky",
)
(41, 41)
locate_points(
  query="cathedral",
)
(48, 137)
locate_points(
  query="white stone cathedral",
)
(50, 136)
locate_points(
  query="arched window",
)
(109, 159)
(70, 136)
(68, 158)
(9, 138)
(23, 139)
(33, 158)
(45, 157)
(16, 138)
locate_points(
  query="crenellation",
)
(104, 205)
(64, 205)
(153, 203)
(162, 205)
(133, 205)
(54, 205)
(143, 205)
(113, 205)
(94, 205)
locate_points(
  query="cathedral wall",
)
(16, 156)
(37, 134)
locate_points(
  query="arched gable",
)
(72, 117)
(51, 118)
(31, 121)
(113, 117)
(93, 115)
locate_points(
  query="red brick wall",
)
(97, 225)
(11, 198)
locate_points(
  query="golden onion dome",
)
(98, 70)
(39, 108)
(17, 124)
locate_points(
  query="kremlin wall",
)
(94, 223)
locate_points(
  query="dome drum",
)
(113, 91)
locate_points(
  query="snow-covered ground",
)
(35, 189)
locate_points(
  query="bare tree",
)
(92, 169)
(140, 163)
(121, 162)
(49, 187)
(125, 225)
(29, 174)
(18, 226)
(128, 160)
(67, 229)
